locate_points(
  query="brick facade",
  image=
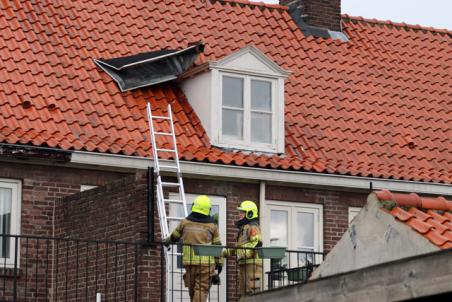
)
(41, 186)
(118, 211)
(319, 13)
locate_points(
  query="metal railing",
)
(36, 268)
(265, 271)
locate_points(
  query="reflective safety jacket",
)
(249, 236)
(196, 229)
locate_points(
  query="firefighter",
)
(198, 228)
(249, 236)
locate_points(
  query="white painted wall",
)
(198, 91)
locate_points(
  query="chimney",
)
(317, 14)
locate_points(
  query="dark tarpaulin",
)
(149, 68)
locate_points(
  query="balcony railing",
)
(34, 268)
(277, 267)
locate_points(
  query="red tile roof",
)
(378, 105)
(430, 217)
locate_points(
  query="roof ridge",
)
(400, 24)
(253, 3)
(414, 200)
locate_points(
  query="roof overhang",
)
(250, 174)
(150, 68)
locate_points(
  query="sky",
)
(434, 13)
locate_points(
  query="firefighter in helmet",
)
(249, 237)
(198, 228)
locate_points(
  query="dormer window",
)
(240, 101)
(247, 110)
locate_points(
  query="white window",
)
(10, 201)
(352, 212)
(240, 101)
(247, 117)
(297, 226)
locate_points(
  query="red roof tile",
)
(378, 105)
(430, 217)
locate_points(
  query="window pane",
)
(5, 220)
(305, 227)
(233, 92)
(261, 95)
(261, 127)
(278, 228)
(233, 124)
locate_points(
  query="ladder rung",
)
(170, 184)
(175, 253)
(174, 218)
(165, 150)
(164, 133)
(156, 117)
(174, 201)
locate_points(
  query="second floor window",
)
(247, 110)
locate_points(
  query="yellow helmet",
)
(250, 209)
(202, 205)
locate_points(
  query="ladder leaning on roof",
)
(171, 168)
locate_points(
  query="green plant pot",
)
(298, 274)
(271, 252)
(208, 250)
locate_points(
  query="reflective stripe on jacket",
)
(249, 237)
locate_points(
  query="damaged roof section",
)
(150, 68)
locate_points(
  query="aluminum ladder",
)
(171, 169)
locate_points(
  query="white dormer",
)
(240, 101)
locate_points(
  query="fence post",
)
(16, 247)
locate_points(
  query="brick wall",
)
(319, 13)
(41, 186)
(335, 207)
(116, 211)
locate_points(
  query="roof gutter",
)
(231, 172)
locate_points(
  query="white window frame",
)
(316, 209)
(246, 142)
(352, 212)
(16, 186)
(256, 65)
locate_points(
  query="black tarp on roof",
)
(149, 68)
